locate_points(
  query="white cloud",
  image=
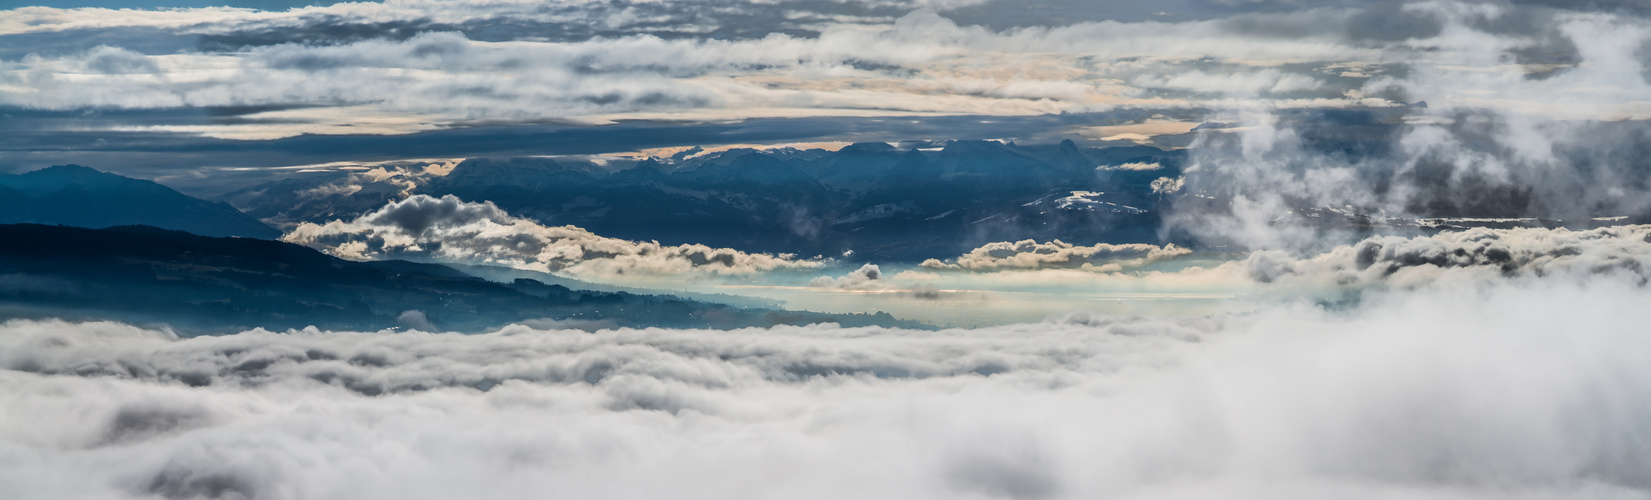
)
(1537, 121)
(1166, 185)
(1269, 81)
(917, 63)
(1473, 256)
(1467, 393)
(1133, 166)
(415, 319)
(1030, 254)
(920, 63)
(448, 229)
(869, 278)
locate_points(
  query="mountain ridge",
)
(203, 285)
(74, 195)
(875, 199)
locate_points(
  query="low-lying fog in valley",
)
(1467, 391)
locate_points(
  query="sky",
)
(1280, 358)
(184, 92)
(1518, 108)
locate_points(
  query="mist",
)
(1521, 388)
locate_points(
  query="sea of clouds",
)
(1512, 388)
(1486, 363)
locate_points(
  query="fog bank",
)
(1518, 389)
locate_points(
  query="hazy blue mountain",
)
(296, 199)
(878, 200)
(199, 284)
(73, 195)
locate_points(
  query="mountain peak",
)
(56, 178)
(70, 169)
(75, 195)
(72, 172)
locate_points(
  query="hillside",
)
(73, 195)
(202, 285)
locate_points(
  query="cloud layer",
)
(416, 66)
(1513, 112)
(1057, 254)
(448, 229)
(1474, 256)
(869, 278)
(1464, 393)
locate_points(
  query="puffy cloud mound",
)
(1057, 254)
(867, 277)
(1475, 255)
(452, 230)
(1473, 393)
(1166, 185)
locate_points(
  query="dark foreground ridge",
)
(204, 285)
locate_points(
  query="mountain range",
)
(198, 284)
(79, 196)
(873, 199)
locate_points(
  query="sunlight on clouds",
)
(705, 150)
(1139, 132)
(448, 229)
(362, 120)
(919, 64)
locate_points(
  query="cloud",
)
(1470, 393)
(1477, 255)
(869, 278)
(410, 80)
(448, 229)
(1166, 185)
(1268, 81)
(1529, 110)
(1515, 112)
(416, 66)
(415, 319)
(1057, 254)
(345, 190)
(1132, 166)
(1376, 264)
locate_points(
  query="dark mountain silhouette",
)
(73, 195)
(200, 285)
